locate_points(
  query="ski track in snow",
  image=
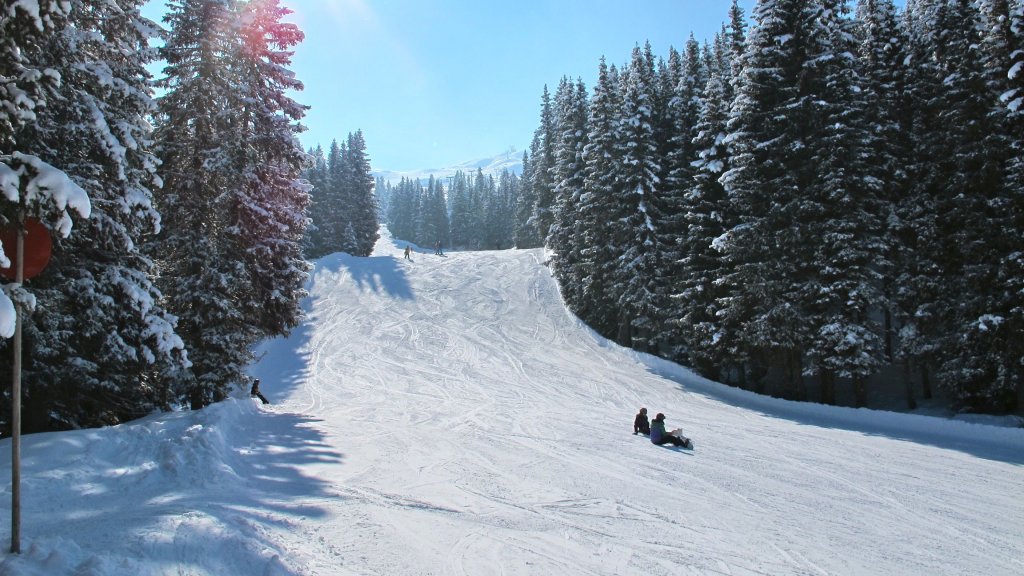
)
(447, 416)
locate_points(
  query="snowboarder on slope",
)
(660, 437)
(255, 392)
(640, 423)
(407, 250)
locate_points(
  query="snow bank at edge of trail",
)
(1008, 438)
(161, 452)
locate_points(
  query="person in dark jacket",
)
(255, 392)
(660, 437)
(640, 423)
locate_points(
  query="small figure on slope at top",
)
(407, 251)
(661, 437)
(437, 248)
(255, 392)
(640, 423)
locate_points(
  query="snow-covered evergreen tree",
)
(640, 267)
(805, 251)
(98, 303)
(884, 51)
(972, 216)
(678, 170)
(767, 159)
(526, 233)
(846, 196)
(462, 211)
(566, 236)
(316, 175)
(198, 272)
(706, 214)
(99, 339)
(598, 209)
(268, 215)
(498, 225)
(403, 210)
(360, 206)
(232, 201)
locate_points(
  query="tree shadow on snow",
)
(282, 364)
(374, 273)
(204, 494)
(988, 442)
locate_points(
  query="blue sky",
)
(433, 83)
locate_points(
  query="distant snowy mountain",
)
(511, 160)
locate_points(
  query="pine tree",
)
(737, 40)
(316, 175)
(197, 272)
(268, 217)
(846, 193)
(333, 216)
(707, 215)
(884, 51)
(501, 212)
(978, 361)
(679, 168)
(526, 232)
(1012, 269)
(641, 299)
(232, 203)
(764, 189)
(542, 155)
(793, 172)
(99, 338)
(566, 235)
(360, 207)
(427, 225)
(403, 209)
(918, 276)
(598, 208)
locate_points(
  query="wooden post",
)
(19, 278)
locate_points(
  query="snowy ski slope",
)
(447, 416)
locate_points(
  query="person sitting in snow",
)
(660, 437)
(255, 392)
(640, 423)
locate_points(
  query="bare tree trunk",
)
(625, 336)
(801, 383)
(909, 384)
(888, 335)
(860, 391)
(790, 371)
(926, 383)
(757, 373)
(828, 387)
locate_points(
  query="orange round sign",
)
(38, 246)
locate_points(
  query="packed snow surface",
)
(445, 415)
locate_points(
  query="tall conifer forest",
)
(828, 193)
(187, 248)
(825, 196)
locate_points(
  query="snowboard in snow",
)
(688, 446)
